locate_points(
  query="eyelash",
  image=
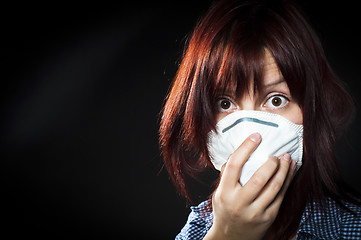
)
(219, 102)
(284, 102)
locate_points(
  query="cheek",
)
(295, 114)
(221, 115)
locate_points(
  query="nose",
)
(248, 102)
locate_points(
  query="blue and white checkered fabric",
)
(330, 222)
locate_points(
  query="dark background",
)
(82, 86)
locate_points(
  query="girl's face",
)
(273, 96)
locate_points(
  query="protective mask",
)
(279, 136)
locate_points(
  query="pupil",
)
(225, 104)
(276, 101)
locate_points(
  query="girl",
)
(259, 56)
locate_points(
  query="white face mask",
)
(279, 136)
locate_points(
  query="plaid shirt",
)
(330, 223)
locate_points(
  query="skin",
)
(273, 87)
(246, 212)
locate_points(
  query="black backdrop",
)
(82, 87)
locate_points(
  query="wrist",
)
(212, 234)
(215, 233)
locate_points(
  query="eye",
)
(225, 105)
(276, 101)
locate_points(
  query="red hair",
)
(225, 52)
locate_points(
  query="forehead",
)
(252, 75)
(242, 71)
(271, 72)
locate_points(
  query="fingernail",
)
(293, 164)
(255, 137)
(287, 156)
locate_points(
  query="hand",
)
(247, 212)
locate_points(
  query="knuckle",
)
(254, 218)
(231, 164)
(274, 162)
(248, 145)
(270, 216)
(276, 185)
(235, 214)
(223, 167)
(285, 164)
(258, 180)
(219, 196)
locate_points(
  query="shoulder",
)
(332, 220)
(199, 221)
(351, 221)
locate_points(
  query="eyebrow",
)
(225, 93)
(271, 84)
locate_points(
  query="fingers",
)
(280, 180)
(256, 184)
(267, 187)
(222, 168)
(232, 170)
(275, 205)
